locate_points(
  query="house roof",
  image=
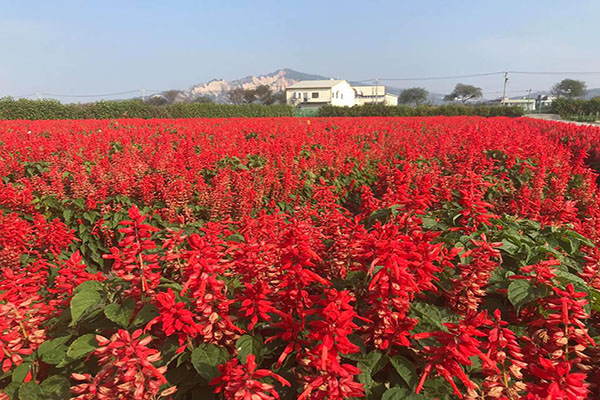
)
(319, 84)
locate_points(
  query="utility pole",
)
(376, 90)
(504, 90)
(143, 95)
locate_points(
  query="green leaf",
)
(145, 315)
(89, 285)
(509, 247)
(595, 299)
(567, 277)
(31, 391)
(120, 313)
(521, 292)
(399, 393)
(432, 315)
(246, 345)
(369, 365)
(67, 215)
(429, 223)
(235, 237)
(85, 297)
(12, 390)
(53, 351)
(82, 346)
(406, 370)
(206, 358)
(20, 372)
(56, 387)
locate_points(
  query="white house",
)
(374, 95)
(544, 101)
(314, 94)
(526, 104)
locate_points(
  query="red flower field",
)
(288, 258)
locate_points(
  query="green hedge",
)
(372, 110)
(577, 108)
(53, 109)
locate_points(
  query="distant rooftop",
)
(322, 83)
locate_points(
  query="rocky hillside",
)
(217, 89)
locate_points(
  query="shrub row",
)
(380, 110)
(572, 108)
(53, 109)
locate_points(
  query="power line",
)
(91, 95)
(21, 96)
(441, 77)
(508, 91)
(484, 74)
(424, 78)
(555, 73)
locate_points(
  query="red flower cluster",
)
(290, 258)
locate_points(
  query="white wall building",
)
(314, 94)
(526, 104)
(544, 101)
(374, 95)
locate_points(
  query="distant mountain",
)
(217, 89)
(591, 93)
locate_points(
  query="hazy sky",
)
(88, 47)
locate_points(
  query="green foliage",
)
(31, 391)
(56, 388)
(406, 370)
(53, 109)
(464, 93)
(82, 346)
(414, 96)
(87, 295)
(577, 109)
(521, 292)
(247, 345)
(380, 110)
(206, 358)
(120, 313)
(570, 88)
(53, 351)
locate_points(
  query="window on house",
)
(342, 96)
(305, 95)
(315, 95)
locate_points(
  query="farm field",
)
(291, 258)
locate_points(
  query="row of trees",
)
(569, 88)
(262, 94)
(462, 93)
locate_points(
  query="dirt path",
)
(556, 117)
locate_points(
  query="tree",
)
(236, 96)
(171, 95)
(157, 100)
(203, 99)
(569, 88)
(249, 96)
(464, 93)
(264, 94)
(278, 98)
(414, 96)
